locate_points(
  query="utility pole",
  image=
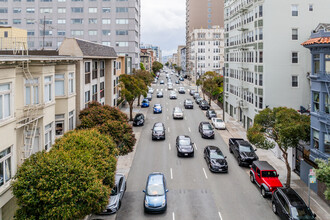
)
(223, 93)
(43, 33)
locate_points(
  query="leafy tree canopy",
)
(167, 64)
(145, 76)
(323, 175)
(156, 66)
(142, 66)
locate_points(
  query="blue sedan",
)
(157, 108)
(145, 103)
(155, 199)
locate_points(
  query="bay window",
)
(5, 101)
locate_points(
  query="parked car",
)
(192, 92)
(116, 196)
(145, 103)
(151, 91)
(181, 79)
(159, 94)
(243, 151)
(161, 82)
(157, 108)
(155, 193)
(265, 176)
(204, 105)
(177, 82)
(215, 159)
(181, 90)
(198, 100)
(154, 82)
(196, 95)
(218, 123)
(206, 130)
(138, 120)
(177, 113)
(158, 131)
(211, 114)
(288, 205)
(173, 95)
(149, 96)
(188, 104)
(184, 146)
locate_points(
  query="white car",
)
(170, 86)
(218, 123)
(151, 91)
(173, 95)
(177, 113)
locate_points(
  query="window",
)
(326, 103)
(294, 10)
(71, 83)
(48, 89)
(327, 143)
(294, 57)
(294, 34)
(71, 120)
(106, 10)
(106, 43)
(5, 166)
(316, 138)
(17, 21)
(17, 10)
(48, 136)
(3, 10)
(316, 101)
(122, 44)
(61, 33)
(77, 10)
(4, 21)
(310, 7)
(59, 85)
(106, 21)
(87, 98)
(77, 21)
(92, 32)
(260, 34)
(260, 11)
(32, 91)
(30, 33)
(61, 21)
(94, 95)
(121, 21)
(101, 90)
(260, 80)
(294, 81)
(61, 10)
(121, 32)
(101, 68)
(260, 56)
(5, 100)
(94, 71)
(260, 102)
(30, 10)
(59, 124)
(106, 32)
(121, 9)
(87, 72)
(92, 21)
(46, 10)
(316, 63)
(77, 32)
(92, 10)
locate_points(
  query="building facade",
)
(13, 38)
(179, 61)
(146, 59)
(156, 50)
(48, 22)
(207, 50)
(202, 14)
(183, 59)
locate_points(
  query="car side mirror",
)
(144, 191)
(166, 190)
(250, 166)
(225, 157)
(255, 149)
(259, 174)
(314, 215)
(278, 175)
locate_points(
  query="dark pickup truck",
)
(243, 151)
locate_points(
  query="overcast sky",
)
(163, 24)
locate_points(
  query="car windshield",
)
(114, 191)
(207, 127)
(245, 149)
(216, 155)
(145, 101)
(155, 190)
(158, 128)
(157, 106)
(212, 112)
(301, 212)
(177, 110)
(184, 141)
(218, 120)
(270, 173)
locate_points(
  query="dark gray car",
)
(117, 194)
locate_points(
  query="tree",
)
(282, 126)
(212, 84)
(130, 90)
(178, 68)
(146, 77)
(167, 64)
(156, 66)
(142, 66)
(323, 175)
(69, 182)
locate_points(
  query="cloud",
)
(163, 23)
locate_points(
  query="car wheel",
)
(192, 155)
(119, 205)
(263, 192)
(251, 178)
(230, 150)
(239, 162)
(178, 154)
(274, 208)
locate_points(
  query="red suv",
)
(265, 176)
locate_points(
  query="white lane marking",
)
(171, 173)
(161, 89)
(166, 103)
(220, 216)
(173, 215)
(189, 129)
(156, 89)
(204, 173)
(195, 146)
(168, 130)
(180, 103)
(167, 109)
(185, 118)
(169, 146)
(165, 89)
(168, 118)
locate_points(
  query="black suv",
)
(211, 114)
(204, 105)
(158, 131)
(138, 120)
(188, 104)
(206, 130)
(184, 146)
(288, 205)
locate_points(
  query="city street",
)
(194, 192)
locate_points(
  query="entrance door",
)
(299, 157)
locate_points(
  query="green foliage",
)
(69, 182)
(145, 76)
(323, 175)
(156, 66)
(212, 84)
(142, 66)
(167, 64)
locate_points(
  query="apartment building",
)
(12, 38)
(113, 23)
(183, 59)
(37, 104)
(156, 49)
(175, 59)
(179, 55)
(202, 14)
(207, 50)
(146, 59)
(96, 71)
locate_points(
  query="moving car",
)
(155, 198)
(265, 176)
(188, 104)
(184, 146)
(173, 95)
(211, 114)
(149, 96)
(117, 194)
(243, 151)
(177, 113)
(181, 79)
(288, 205)
(192, 92)
(159, 94)
(157, 108)
(218, 123)
(204, 105)
(145, 103)
(158, 131)
(138, 120)
(177, 82)
(215, 159)
(181, 90)
(206, 130)
(198, 100)
(170, 86)
(161, 82)
(154, 82)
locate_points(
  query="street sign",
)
(312, 179)
(311, 172)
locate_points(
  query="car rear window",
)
(207, 127)
(269, 173)
(185, 141)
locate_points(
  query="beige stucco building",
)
(12, 38)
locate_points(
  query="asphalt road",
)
(194, 192)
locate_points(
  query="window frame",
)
(7, 156)
(4, 93)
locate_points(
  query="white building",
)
(207, 50)
(265, 64)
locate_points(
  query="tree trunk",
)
(139, 100)
(203, 93)
(210, 99)
(288, 169)
(131, 111)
